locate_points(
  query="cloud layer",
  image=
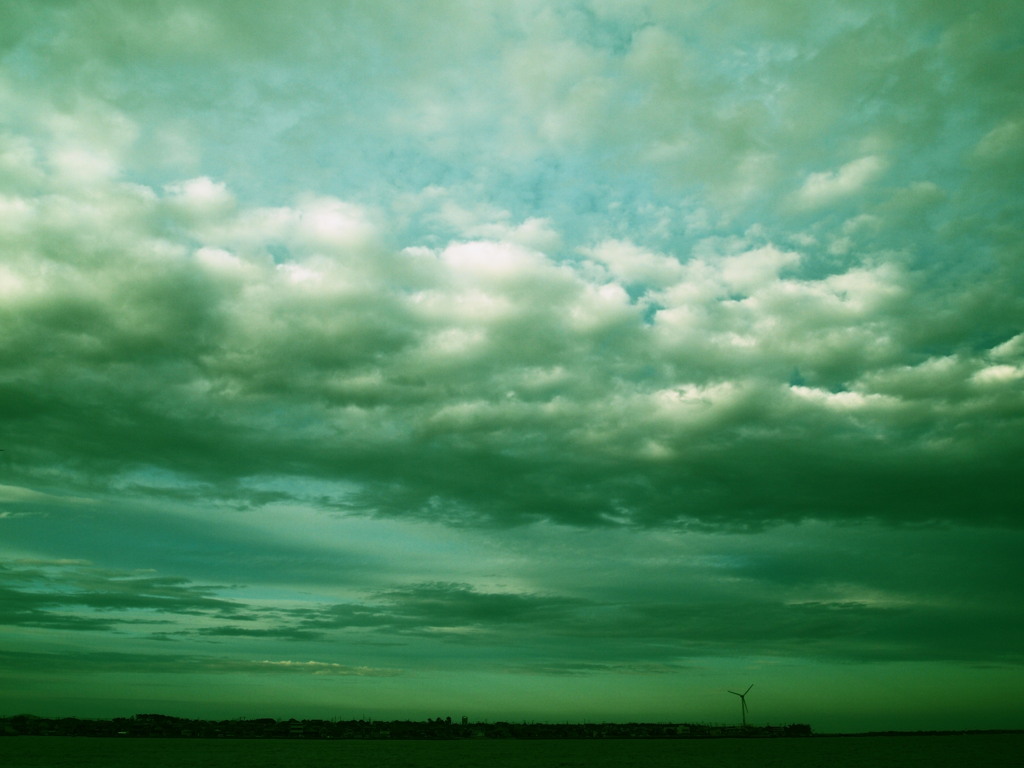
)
(347, 342)
(736, 383)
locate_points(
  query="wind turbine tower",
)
(743, 702)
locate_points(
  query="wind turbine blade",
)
(741, 695)
(748, 689)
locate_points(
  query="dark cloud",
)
(877, 626)
(283, 633)
(106, 663)
(438, 607)
(80, 597)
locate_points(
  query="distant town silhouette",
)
(167, 726)
(440, 728)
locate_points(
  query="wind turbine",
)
(743, 702)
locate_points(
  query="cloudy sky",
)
(564, 360)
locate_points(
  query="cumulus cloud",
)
(631, 264)
(823, 188)
(312, 345)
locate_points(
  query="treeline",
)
(166, 726)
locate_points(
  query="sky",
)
(567, 360)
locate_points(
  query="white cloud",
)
(534, 233)
(220, 262)
(596, 308)
(629, 263)
(747, 272)
(496, 264)
(1010, 349)
(17, 495)
(828, 186)
(330, 223)
(1002, 141)
(998, 374)
(201, 198)
(18, 161)
(310, 667)
(844, 400)
(84, 166)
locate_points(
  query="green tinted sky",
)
(547, 360)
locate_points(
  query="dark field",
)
(987, 751)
